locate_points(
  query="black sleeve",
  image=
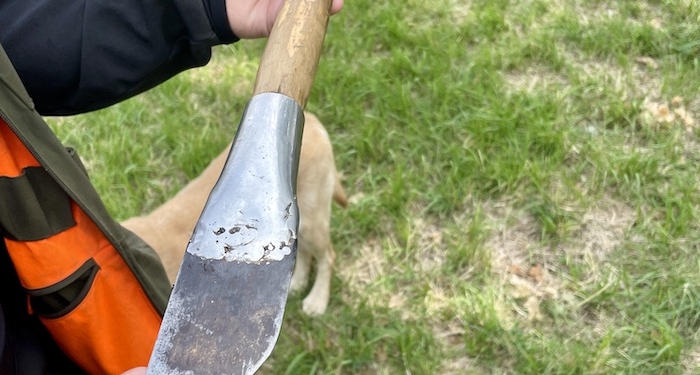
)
(81, 55)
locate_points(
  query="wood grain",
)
(289, 62)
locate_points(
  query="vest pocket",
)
(109, 326)
(33, 206)
(63, 297)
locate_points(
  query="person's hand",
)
(254, 18)
(136, 371)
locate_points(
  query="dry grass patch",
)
(691, 361)
(460, 10)
(668, 113)
(363, 268)
(524, 274)
(530, 271)
(368, 271)
(534, 79)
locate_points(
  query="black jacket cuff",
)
(216, 11)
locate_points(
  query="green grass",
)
(477, 138)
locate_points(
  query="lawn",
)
(522, 176)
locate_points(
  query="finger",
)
(136, 371)
(336, 6)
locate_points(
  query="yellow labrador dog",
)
(168, 228)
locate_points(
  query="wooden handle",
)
(289, 63)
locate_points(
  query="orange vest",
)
(77, 282)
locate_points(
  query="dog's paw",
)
(314, 306)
